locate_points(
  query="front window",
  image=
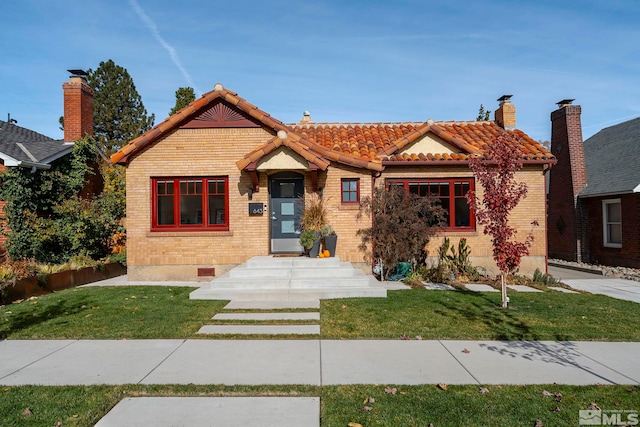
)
(612, 223)
(350, 190)
(452, 196)
(190, 203)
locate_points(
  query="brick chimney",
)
(78, 106)
(567, 222)
(505, 115)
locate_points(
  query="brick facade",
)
(629, 254)
(3, 238)
(177, 255)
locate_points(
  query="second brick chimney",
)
(567, 222)
(505, 115)
(78, 106)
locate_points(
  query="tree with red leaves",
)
(495, 170)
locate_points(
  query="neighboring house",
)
(218, 182)
(594, 192)
(21, 147)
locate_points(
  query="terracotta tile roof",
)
(361, 145)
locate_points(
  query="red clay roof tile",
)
(362, 145)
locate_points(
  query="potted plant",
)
(313, 219)
(329, 239)
(310, 241)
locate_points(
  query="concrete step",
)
(343, 269)
(291, 262)
(267, 316)
(262, 294)
(260, 330)
(272, 305)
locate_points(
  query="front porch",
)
(273, 278)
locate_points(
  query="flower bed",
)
(53, 282)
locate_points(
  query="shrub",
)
(403, 224)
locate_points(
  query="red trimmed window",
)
(350, 190)
(190, 204)
(452, 195)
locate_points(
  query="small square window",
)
(350, 190)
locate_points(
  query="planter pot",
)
(315, 249)
(330, 243)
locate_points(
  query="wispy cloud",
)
(148, 22)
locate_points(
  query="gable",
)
(428, 143)
(282, 158)
(221, 114)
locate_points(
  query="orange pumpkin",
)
(326, 253)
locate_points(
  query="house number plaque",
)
(256, 209)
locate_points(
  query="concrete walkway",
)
(315, 362)
(597, 284)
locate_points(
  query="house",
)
(594, 191)
(21, 147)
(218, 182)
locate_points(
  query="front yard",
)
(164, 312)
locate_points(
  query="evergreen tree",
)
(118, 113)
(483, 114)
(184, 97)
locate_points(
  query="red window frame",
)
(452, 197)
(170, 188)
(349, 191)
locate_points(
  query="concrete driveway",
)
(597, 284)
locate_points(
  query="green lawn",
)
(340, 405)
(162, 312)
(108, 313)
(476, 316)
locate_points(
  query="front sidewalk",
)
(316, 362)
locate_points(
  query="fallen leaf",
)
(354, 425)
(366, 409)
(546, 393)
(83, 306)
(27, 412)
(484, 390)
(442, 386)
(594, 407)
(403, 392)
(466, 351)
(556, 409)
(404, 337)
(538, 423)
(344, 306)
(431, 425)
(390, 390)
(369, 400)
(419, 337)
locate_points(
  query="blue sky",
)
(347, 61)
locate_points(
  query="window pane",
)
(216, 210)
(190, 209)
(353, 196)
(287, 227)
(462, 214)
(462, 188)
(413, 188)
(613, 212)
(346, 185)
(287, 189)
(615, 233)
(287, 208)
(165, 210)
(353, 185)
(444, 189)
